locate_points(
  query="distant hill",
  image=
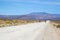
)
(33, 16)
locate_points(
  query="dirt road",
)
(33, 31)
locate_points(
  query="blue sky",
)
(20, 7)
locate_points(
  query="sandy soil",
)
(33, 31)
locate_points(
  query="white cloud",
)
(34, 1)
(37, 2)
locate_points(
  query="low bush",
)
(58, 26)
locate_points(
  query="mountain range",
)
(33, 16)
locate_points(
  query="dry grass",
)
(56, 23)
(6, 22)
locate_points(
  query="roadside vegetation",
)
(56, 23)
(7, 22)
